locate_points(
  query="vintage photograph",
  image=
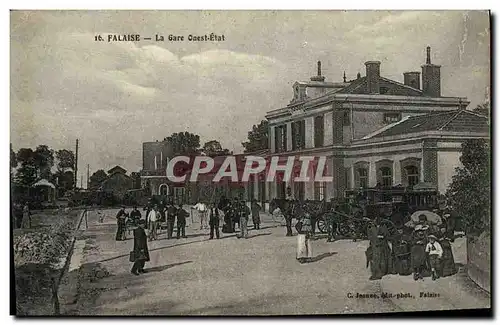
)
(250, 163)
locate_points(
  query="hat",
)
(432, 236)
(418, 227)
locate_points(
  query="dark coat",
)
(135, 214)
(141, 251)
(214, 217)
(418, 255)
(447, 260)
(181, 216)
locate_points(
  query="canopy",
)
(44, 182)
(432, 218)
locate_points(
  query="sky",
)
(114, 96)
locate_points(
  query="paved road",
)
(257, 276)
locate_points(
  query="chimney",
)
(373, 76)
(319, 77)
(412, 79)
(431, 77)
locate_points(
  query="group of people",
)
(237, 213)
(21, 215)
(423, 250)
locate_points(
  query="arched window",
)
(412, 175)
(363, 177)
(386, 176)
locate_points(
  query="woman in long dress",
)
(447, 260)
(26, 223)
(140, 253)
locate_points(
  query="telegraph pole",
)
(76, 163)
(88, 173)
(81, 181)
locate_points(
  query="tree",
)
(44, 160)
(13, 158)
(65, 160)
(214, 148)
(483, 109)
(258, 137)
(66, 181)
(469, 194)
(97, 178)
(184, 143)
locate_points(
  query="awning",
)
(43, 182)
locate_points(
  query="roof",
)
(117, 169)
(452, 121)
(43, 182)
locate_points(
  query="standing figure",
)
(418, 257)
(135, 215)
(304, 249)
(244, 213)
(435, 252)
(214, 222)
(153, 223)
(121, 218)
(234, 212)
(171, 212)
(381, 261)
(140, 253)
(288, 213)
(202, 212)
(255, 214)
(447, 267)
(401, 253)
(181, 222)
(26, 221)
(449, 224)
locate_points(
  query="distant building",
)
(372, 131)
(117, 182)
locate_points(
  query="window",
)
(298, 190)
(319, 128)
(347, 118)
(383, 90)
(412, 175)
(392, 117)
(280, 138)
(298, 135)
(363, 177)
(386, 176)
(319, 191)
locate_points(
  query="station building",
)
(373, 131)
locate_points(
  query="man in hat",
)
(121, 218)
(418, 256)
(214, 221)
(435, 252)
(243, 213)
(255, 214)
(153, 217)
(171, 212)
(181, 222)
(140, 253)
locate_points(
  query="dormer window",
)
(383, 90)
(392, 117)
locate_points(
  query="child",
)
(435, 252)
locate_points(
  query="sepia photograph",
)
(250, 162)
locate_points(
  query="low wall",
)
(478, 260)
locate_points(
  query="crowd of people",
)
(421, 249)
(146, 225)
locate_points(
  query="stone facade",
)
(374, 132)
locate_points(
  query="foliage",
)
(65, 159)
(97, 178)
(214, 148)
(184, 143)
(258, 137)
(13, 158)
(469, 194)
(483, 109)
(44, 160)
